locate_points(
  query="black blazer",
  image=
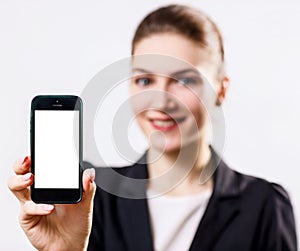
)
(244, 213)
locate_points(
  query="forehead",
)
(174, 45)
(161, 65)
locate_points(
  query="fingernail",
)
(24, 160)
(27, 176)
(91, 173)
(47, 207)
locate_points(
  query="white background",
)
(56, 47)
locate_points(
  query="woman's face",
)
(167, 102)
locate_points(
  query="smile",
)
(166, 124)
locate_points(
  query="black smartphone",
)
(56, 149)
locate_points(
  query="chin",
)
(165, 146)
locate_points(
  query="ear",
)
(225, 82)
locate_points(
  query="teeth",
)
(164, 123)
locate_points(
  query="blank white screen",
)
(56, 157)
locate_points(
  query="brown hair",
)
(187, 21)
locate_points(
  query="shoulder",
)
(229, 182)
(260, 187)
(252, 191)
(266, 204)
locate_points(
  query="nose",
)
(163, 99)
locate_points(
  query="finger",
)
(19, 185)
(30, 208)
(88, 183)
(22, 166)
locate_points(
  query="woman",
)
(227, 211)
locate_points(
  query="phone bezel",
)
(55, 195)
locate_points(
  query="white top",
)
(175, 219)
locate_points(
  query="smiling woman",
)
(229, 211)
(177, 52)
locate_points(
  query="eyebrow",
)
(184, 71)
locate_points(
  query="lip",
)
(165, 123)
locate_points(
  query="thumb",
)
(88, 183)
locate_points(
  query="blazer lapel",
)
(221, 210)
(134, 214)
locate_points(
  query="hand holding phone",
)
(62, 226)
(53, 227)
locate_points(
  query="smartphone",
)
(56, 149)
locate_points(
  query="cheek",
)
(142, 123)
(132, 88)
(139, 120)
(140, 99)
(195, 108)
(133, 91)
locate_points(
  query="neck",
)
(180, 169)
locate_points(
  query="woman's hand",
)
(53, 227)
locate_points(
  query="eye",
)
(143, 81)
(187, 81)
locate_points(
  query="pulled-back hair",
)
(188, 22)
